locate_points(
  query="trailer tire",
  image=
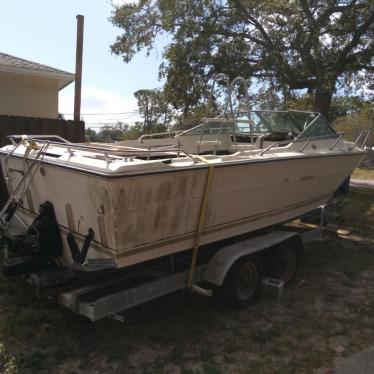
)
(284, 263)
(243, 283)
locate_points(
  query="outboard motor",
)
(44, 230)
(38, 249)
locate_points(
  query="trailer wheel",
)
(285, 263)
(243, 282)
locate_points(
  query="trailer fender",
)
(219, 265)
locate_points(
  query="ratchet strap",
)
(30, 146)
(201, 222)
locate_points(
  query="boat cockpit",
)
(253, 130)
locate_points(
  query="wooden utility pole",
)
(370, 142)
(78, 68)
(146, 119)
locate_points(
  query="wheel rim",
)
(287, 265)
(246, 281)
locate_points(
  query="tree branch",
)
(354, 41)
(254, 22)
(363, 67)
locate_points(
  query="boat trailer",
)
(108, 293)
(234, 269)
(110, 297)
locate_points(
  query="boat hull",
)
(140, 216)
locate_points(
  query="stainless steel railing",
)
(306, 142)
(175, 149)
(30, 171)
(106, 151)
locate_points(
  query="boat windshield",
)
(211, 126)
(318, 127)
(267, 121)
(298, 123)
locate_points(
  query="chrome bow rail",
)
(107, 151)
(365, 135)
(306, 142)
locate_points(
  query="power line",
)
(108, 123)
(100, 114)
(108, 119)
(111, 120)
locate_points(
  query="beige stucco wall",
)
(22, 95)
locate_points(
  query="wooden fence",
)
(14, 125)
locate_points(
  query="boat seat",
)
(274, 137)
(244, 138)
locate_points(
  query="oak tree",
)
(314, 45)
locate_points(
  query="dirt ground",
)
(327, 313)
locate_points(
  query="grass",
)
(355, 210)
(361, 173)
(328, 312)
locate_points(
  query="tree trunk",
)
(286, 96)
(322, 98)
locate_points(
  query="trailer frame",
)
(95, 302)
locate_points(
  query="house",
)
(30, 89)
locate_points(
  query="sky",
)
(44, 31)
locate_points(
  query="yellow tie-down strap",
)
(30, 146)
(202, 218)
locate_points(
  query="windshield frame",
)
(295, 128)
(313, 123)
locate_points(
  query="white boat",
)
(134, 201)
